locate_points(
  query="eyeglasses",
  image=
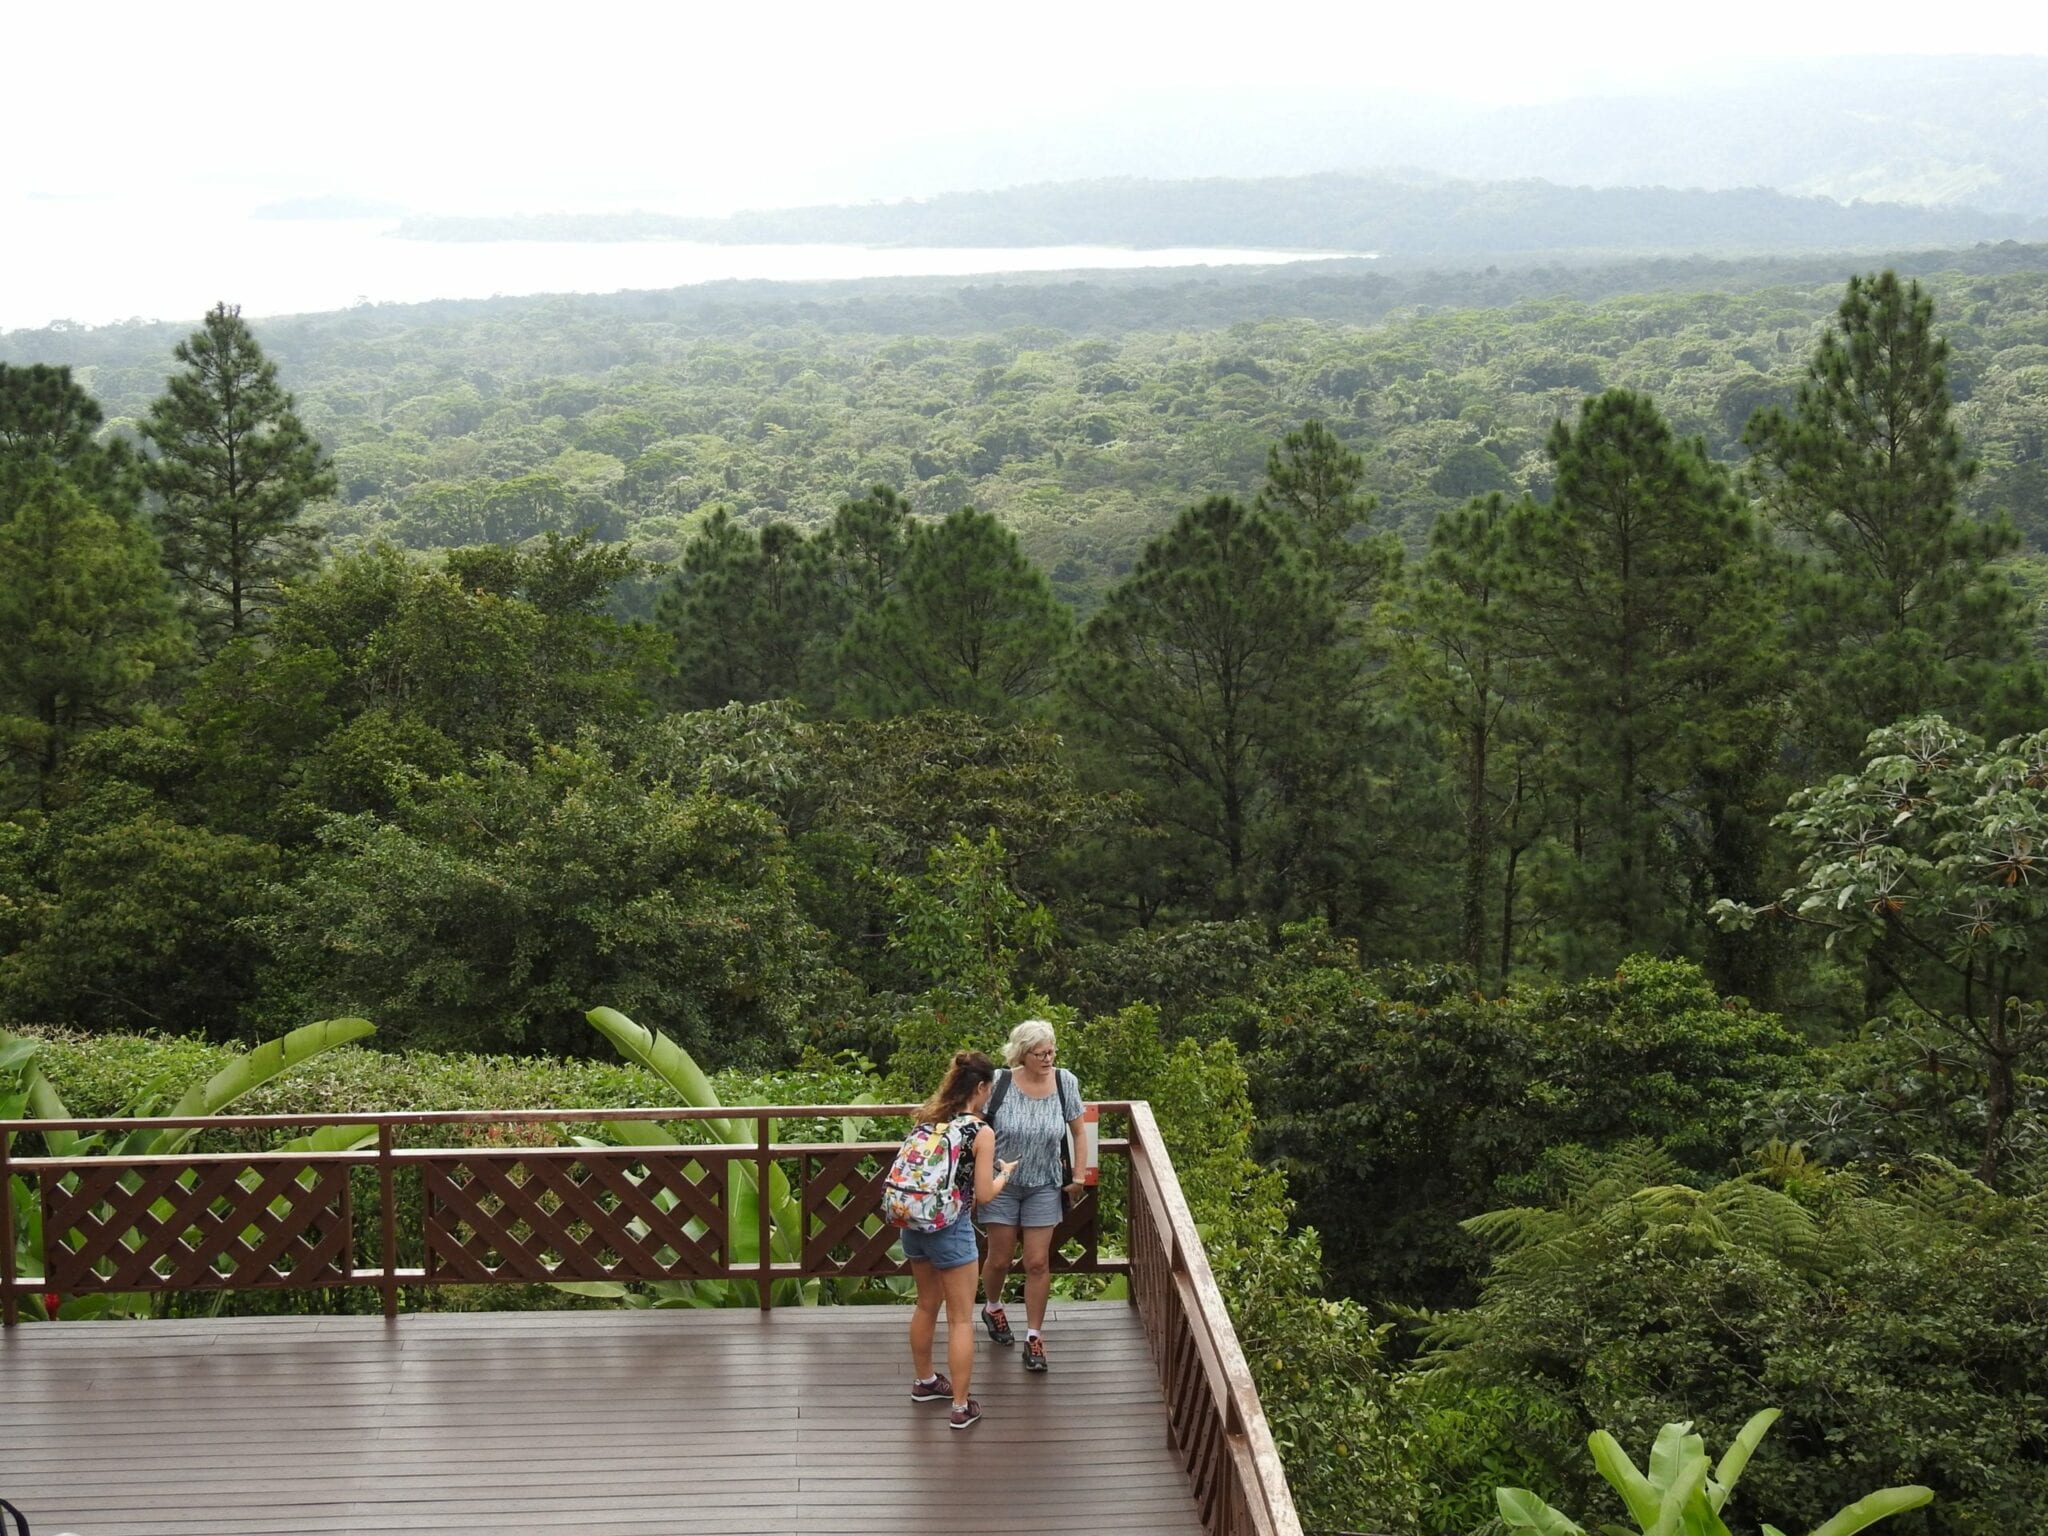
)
(1043, 1053)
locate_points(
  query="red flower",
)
(50, 1302)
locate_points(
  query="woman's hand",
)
(1073, 1191)
(1004, 1170)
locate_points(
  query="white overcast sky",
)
(701, 108)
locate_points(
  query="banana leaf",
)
(1521, 1510)
(1729, 1472)
(1873, 1507)
(1636, 1490)
(246, 1072)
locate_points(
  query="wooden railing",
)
(659, 1210)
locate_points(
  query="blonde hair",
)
(1026, 1038)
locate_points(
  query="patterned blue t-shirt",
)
(1034, 1131)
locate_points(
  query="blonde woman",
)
(1035, 1110)
(942, 1262)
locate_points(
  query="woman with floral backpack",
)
(937, 1225)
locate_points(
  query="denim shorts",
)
(947, 1248)
(1038, 1206)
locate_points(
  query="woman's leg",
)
(924, 1318)
(995, 1269)
(1037, 1275)
(959, 1285)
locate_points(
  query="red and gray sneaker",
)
(962, 1417)
(997, 1322)
(938, 1389)
(1034, 1353)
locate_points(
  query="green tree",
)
(121, 914)
(866, 545)
(1460, 671)
(489, 907)
(1315, 487)
(86, 623)
(1217, 682)
(972, 625)
(1900, 609)
(1926, 862)
(233, 471)
(48, 422)
(1900, 1325)
(1400, 1103)
(1651, 646)
(749, 614)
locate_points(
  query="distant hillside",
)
(1412, 217)
(1933, 130)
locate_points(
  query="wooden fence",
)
(508, 1210)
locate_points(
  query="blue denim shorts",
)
(1038, 1206)
(947, 1248)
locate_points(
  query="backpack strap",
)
(1000, 1092)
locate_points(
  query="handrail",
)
(128, 1222)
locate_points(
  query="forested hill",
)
(1334, 212)
(635, 415)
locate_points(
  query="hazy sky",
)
(694, 108)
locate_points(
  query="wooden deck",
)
(669, 1423)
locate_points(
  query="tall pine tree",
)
(1652, 646)
(1898, 608)
(234, 470)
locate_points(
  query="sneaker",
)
(962, 1417)
(1034, 1354)
(931, 1391)
(998, 1325)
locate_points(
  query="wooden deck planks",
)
(790, 1423)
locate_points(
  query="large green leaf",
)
(1621, 1474)
(1686, 1485)
(250, 1070)
(651, 1049)
(1523, 1511)
(44, 1104)
(1729, 1472)
(332, 1138)
(1873, 1507)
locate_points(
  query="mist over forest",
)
(1526, 738)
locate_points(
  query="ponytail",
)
(969, 1070)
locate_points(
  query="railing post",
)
(10, 1304)
(387, 1198)
(763, 1167)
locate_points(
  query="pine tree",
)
(972, 625)
(750, 615)
(1217, 681)
(48, 422)
(1460, 673)
(1652, 648)
(234, 470)
(1314, 490)
(86, 621)
(1899, 609)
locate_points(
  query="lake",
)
(95, 264)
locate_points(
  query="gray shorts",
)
(1039, 1205)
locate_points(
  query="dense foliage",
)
(1371, 744)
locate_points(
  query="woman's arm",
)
(989, 1176)
(1080, 1144)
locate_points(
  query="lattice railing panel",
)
(212, 1225)
(844, 1233)
(574, 1214)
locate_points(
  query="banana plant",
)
(26, 1093)
(658, 1054)
(1682, 1494)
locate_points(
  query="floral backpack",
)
(922, 1191)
